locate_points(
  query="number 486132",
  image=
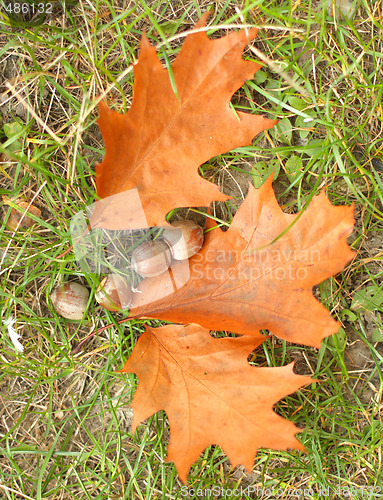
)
(28, 8)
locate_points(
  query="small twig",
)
(77, 349)
(212, 27)
(11, 490)
(274, 67)
(64, 253)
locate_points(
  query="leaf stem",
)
(77, 349)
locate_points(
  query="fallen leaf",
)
(211, 394)
(259, 274)
(18, 218)
(153, 152)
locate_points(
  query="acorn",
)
(114, 293)
(151, 258)
(70, 300)
(184, 238)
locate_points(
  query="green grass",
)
(65, 420)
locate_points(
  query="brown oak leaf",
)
(153, 152)
(259, 274)
(211, 394)
(19, 218)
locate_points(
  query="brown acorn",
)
(184, 238)
(114, 293)
(151, 258)
(70, 300)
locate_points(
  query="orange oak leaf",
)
(211, 394)
(153, 152)
(259, 274)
